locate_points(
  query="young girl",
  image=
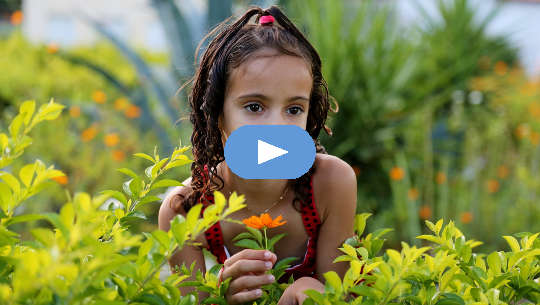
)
(264, 72)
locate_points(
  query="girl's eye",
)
(295, 110)
(253, 107)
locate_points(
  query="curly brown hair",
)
(232, 46)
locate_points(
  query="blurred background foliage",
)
(437, 118)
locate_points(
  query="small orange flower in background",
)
(440, 178)
(413, 194)
(501, 68)
(522, 131)
(75, 111)
(63, 180)
(466, 217)
(16, 18)
(99, 97)
(535, 138)
(89, 133)
(424, 212)
(132, 112)
(118, 155)
(502, 171)
(528, 89)
(492, 186)
(397, 173)
(52, 48)
(264, 220)
(356, 170)
(534, 110)
(111, 139)
(121, 103)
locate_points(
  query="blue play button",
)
(269, 151)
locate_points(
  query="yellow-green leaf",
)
(27, 110)
(512, 242)
(27, 173)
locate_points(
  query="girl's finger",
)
(244, 296)
(250, 282)
(244, 267)
(251, 254)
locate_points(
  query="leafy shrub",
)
(88, 254)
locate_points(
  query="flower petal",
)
(266, 220)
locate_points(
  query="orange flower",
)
(111, 139)
(264, 220)
(502, 172)
(441, 178)
(535, 138)
(528, 89)
(397, 173)
(121, 103)
(492, 186)
(413, 194)
(132, 112)
(522, 131)
(99, 97)
(17, 18)
(75, 111)
(63, 180)
(89, 133)
(356, 170)
(501, 68)
(534, 110)
(425, 212)
(52, 48)
(118, 155)
(466, 217)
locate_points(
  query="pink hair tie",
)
(267, 19)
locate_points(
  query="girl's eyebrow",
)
(264, 97)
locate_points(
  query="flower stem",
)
(265, 239)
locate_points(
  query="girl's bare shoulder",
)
(334, 185)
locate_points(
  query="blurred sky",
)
(59, 21)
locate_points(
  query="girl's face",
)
(268, 89)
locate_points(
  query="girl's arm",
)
(188, 254)
(336, 204)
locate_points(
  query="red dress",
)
(312, 223)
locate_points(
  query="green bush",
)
(87, 253)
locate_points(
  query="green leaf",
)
(514, 245)
(494, 262)
(27, 173)
(360, 223)
(257, 235)
(4, 142)
(363, 290)
(145, 156)
(116, 195)
(165, 183)
(128, 172)
(162, 238)
(179, 229)
(332, 278)
(148, 199)
(431, 238)
(274, 240)
(450, 299)
(11, 181)
(15, 126)
(242, 235)
(23, 218)
(248, 244)
(158, 166)
(177, 163)
(27, 110)
(315, 295)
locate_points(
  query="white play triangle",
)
(266, 152)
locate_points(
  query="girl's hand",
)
(247, 269)
(294, 294)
